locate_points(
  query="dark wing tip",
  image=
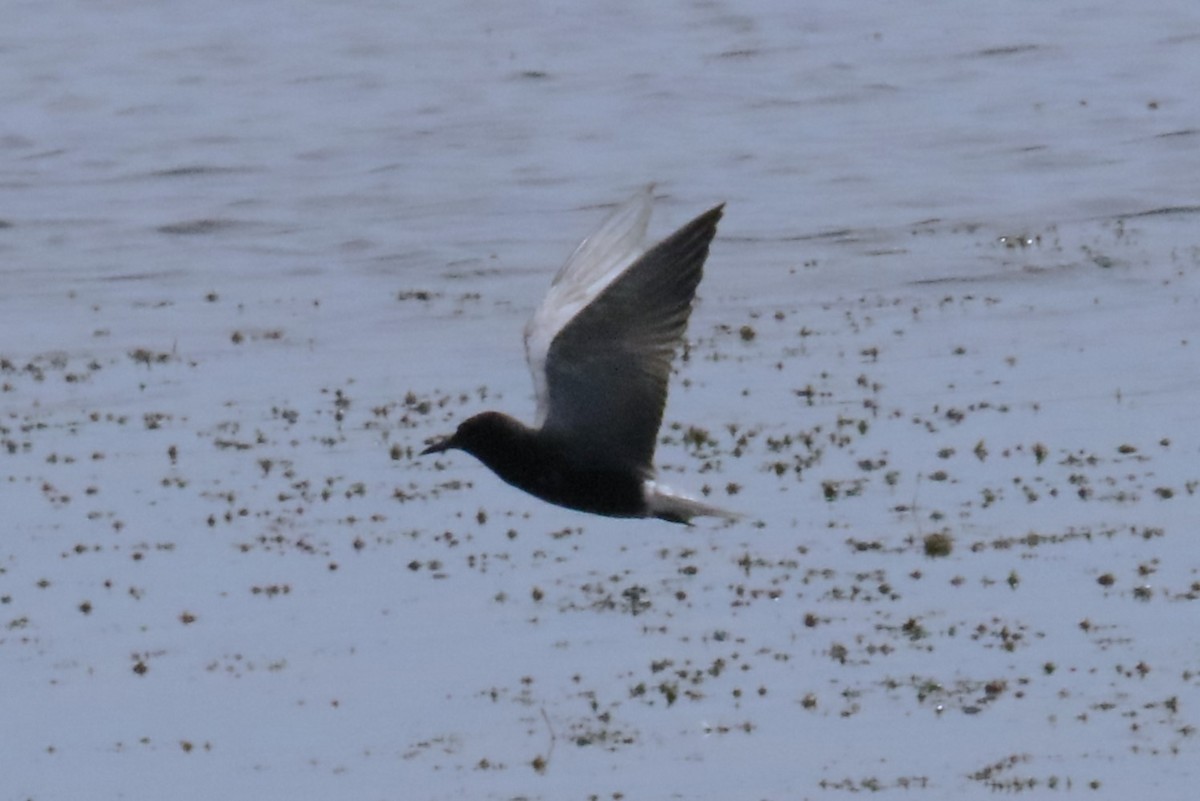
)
(708, 219)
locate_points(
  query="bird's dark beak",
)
(444, 444)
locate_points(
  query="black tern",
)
(600, 348)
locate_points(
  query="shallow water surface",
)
(945, 360)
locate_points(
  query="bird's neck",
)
(508, 440)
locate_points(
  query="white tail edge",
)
(665, 504)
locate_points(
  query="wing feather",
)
(607, 367)
(598, 260)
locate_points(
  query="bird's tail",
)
(666, 504)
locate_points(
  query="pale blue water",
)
(251, 194)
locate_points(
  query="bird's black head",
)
(483, 434)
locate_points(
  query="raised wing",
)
(599, 259)
(607, 368)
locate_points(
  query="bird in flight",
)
(600, 348)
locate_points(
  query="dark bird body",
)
(600, 349)
(548, 469)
